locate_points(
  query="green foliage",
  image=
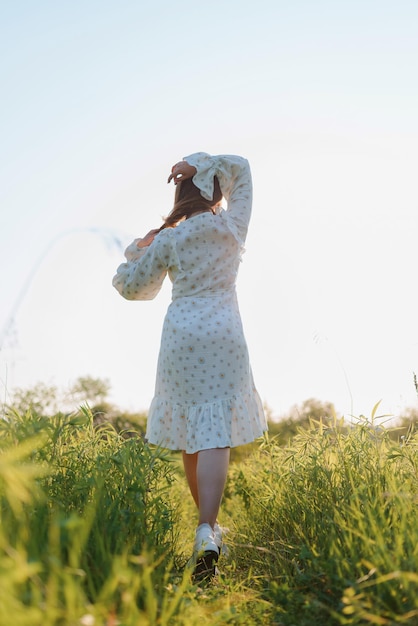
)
(96, 527)
(301, 416)
(284, 429)
(125, 423)
(83, 511)
(40, 399)
(87, 389)
(328, 525)
(407, 423)
(43, 400)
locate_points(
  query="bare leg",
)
(212, 469)
(190, 465)
(206, 473)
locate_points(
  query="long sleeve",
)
(234, 175)
(142, 276)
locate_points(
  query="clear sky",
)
(100, 98)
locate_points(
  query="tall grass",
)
(329, 525)
(96, 528)
(85, 519)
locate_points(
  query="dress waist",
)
(210, 293)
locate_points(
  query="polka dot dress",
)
(204, 395)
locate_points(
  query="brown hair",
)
(188, 200)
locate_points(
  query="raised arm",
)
(234, 175)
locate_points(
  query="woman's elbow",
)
(134, 291)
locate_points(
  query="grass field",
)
(96, 529)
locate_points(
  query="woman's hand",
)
(147, 240)
(181, 171)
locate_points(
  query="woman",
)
(205, 401)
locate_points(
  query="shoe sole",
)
(205, 568)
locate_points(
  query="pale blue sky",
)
(100, 98)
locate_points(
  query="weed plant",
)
(85, 519)
(96, 528)
(328, 525)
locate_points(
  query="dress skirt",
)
(204, 394)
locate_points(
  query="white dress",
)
(204, 394)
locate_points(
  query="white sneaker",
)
(205, 540)
(205, 553)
